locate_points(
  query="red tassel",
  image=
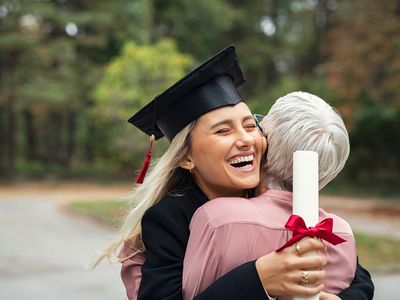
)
(146, 163)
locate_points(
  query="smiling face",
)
(225, 153)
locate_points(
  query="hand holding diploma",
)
(304, 220)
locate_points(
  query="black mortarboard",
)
(210, 86)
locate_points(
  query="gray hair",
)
(302, 121)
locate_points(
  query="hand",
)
(284, 273)
(328, 296)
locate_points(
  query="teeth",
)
(241, 159)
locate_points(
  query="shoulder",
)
(166, 225)
(227, 210)
(175, 209)
(340, 225)
(169, 209)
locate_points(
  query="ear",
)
(186, 163)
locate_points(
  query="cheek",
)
(260, 144)
(209, 155)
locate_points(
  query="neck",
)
(215, 192)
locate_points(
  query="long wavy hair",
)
(165, 176)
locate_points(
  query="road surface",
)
(44, 252)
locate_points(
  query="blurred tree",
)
(199, 27)
(130, 81)
(275, 38)
(52, 55)
(363, 60)
(375, 141)
(362, 66)
(15, 41)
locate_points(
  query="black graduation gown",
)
(165, 233)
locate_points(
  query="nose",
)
(245, 139)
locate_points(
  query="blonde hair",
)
(165, 176)
(302, 121)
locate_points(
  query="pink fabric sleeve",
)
(131, 270)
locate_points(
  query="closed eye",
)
(222, 131)
(250, 126)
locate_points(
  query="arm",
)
(165, 235)
(361, 288)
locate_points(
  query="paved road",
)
(387, 287)
(43, 254)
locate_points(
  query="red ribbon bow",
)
(322, 230)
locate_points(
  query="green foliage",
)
(130, 81)
(48, 73)
(108, 212)
(72, 72)
(377, 251)
(199, 27)
(375, 143)
(134, 77)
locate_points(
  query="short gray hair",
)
(302, 121)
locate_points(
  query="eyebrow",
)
(229, 121)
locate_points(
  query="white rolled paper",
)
(306, 191)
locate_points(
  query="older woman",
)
(227, 232)
(215, 151)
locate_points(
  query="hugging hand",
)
(288, 272)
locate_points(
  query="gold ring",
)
(304, 278)
(298, 249)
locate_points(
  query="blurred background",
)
(73, 71)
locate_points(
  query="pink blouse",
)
(227, 232)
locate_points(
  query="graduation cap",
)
(210, 86)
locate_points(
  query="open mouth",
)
(242, 162)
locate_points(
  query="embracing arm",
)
(361, 288)
(165, 234)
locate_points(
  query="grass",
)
(106, 212)
(373, 252)
(377, 252)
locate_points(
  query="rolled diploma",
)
(305, 191)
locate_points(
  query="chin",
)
(247, 184)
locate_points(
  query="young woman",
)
(215, 151)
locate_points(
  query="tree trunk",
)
(70, 143)
(30, 144)
(53, 138)
(11, 117)
(90, 137)
(10, 135)
(397, 10)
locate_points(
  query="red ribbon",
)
(322, 230)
